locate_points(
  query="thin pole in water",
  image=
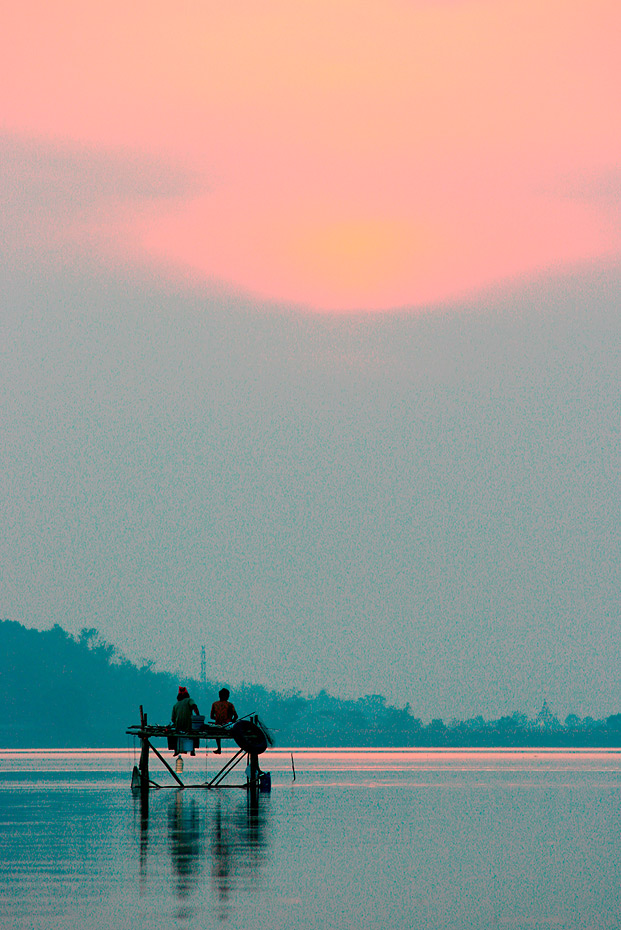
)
(144, 756)
(293, 766)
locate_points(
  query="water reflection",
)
(222, 861)
(185, 840)
(227, 832)
(144, 839)
(237, 847)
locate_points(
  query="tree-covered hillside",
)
(61, 691)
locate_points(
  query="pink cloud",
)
(389, 154)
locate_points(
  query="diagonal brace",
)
(230, 765)
(162, 759)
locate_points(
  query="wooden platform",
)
(155, 731)
(248, 749)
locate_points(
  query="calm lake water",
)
(362, 840)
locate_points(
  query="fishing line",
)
(128, 745)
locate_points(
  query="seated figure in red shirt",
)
(222, 712)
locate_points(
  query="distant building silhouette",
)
(545, 719)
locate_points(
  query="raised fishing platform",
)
(247, 734)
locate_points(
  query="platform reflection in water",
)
(225, 836)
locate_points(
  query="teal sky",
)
(310, 342)
(424, 504)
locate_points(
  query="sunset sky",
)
(310, 341)
(338, 155)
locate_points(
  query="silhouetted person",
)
(222, 712)
(182, 714)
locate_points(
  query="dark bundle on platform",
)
(266, 732)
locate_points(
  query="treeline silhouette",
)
(62, 691)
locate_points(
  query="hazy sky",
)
(311, 345)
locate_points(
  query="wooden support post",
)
(253, 762)
(254, 771)
(144, 756)
(144, 808)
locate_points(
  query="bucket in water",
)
(198, 721)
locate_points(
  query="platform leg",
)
(253, 777)
(144, 761)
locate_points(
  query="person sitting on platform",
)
(222, 712)
(182, 715)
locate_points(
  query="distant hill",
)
(59, 691)
(62, 691)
